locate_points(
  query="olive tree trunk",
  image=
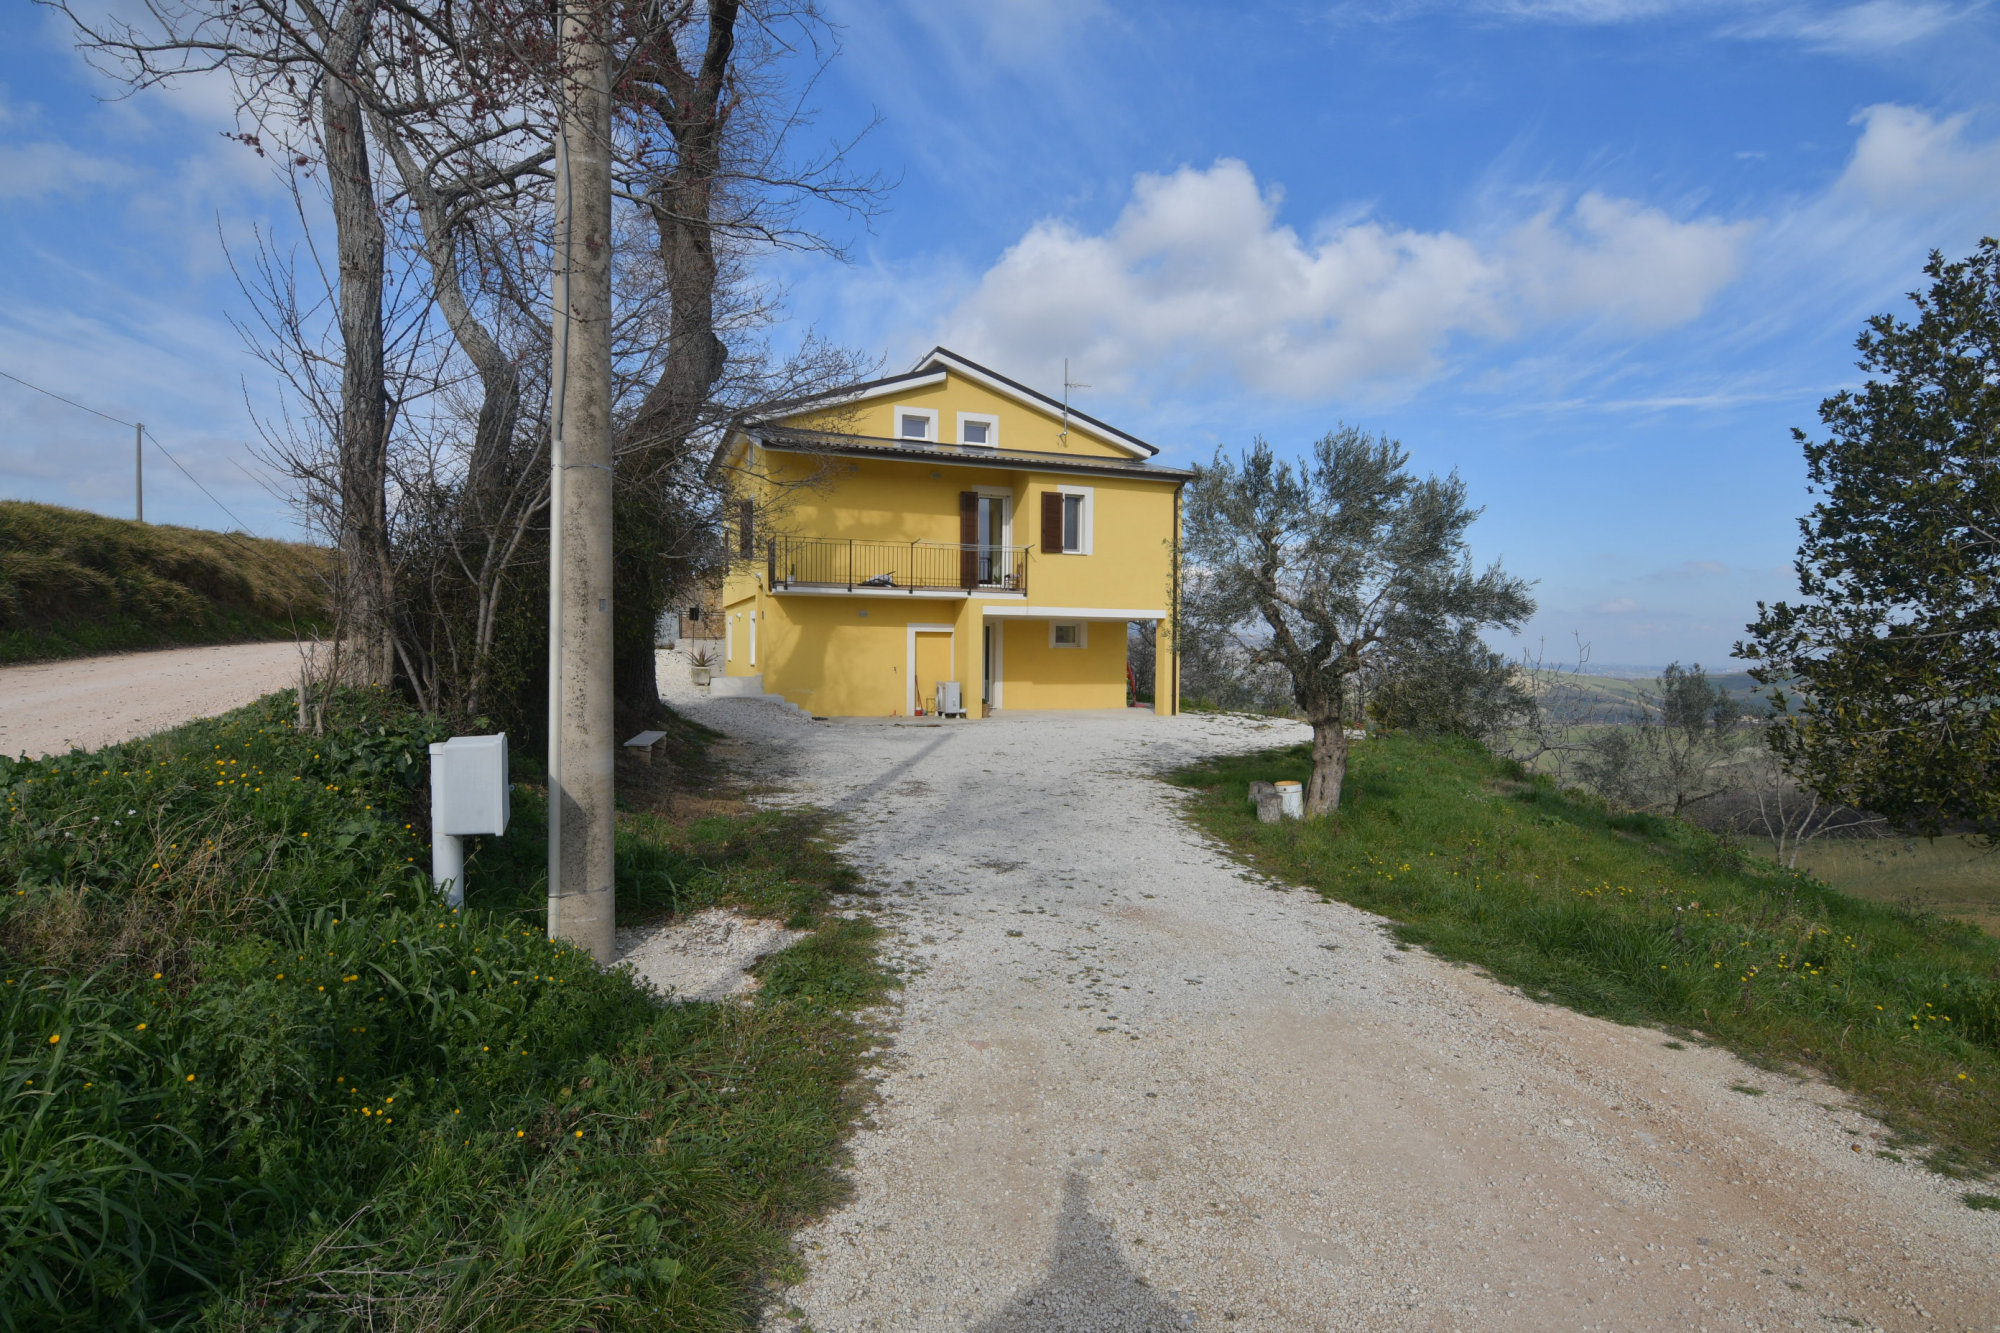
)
(1329, 767)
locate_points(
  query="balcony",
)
(829, 564)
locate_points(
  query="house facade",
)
(948, 527)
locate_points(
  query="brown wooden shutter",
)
(968, 539)
(1052, 521)
(746, 535)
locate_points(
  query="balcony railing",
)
(825, 563)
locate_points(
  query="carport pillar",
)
(1166, 669)
(969, 639)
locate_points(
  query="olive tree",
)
(1327, 567)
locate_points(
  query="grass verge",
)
(74, 583)
(254, 1077)
(1648, 920)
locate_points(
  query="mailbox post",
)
(469, 796)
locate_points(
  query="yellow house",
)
(944, 531)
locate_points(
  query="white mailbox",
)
(469, 795)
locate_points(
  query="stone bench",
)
(643, 743)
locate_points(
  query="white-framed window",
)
(1077, 518)
(1069, 634)
(917, 423)
(981, 430)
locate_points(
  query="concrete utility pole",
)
(581, 743)
(139, 469)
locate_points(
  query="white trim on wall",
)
(1021, 393)
(996, 667)
(839, 398)
(929, 414)
(1086, 521)
(1033, 612)
(910, 662)
(992, 424)
(728, 641)
(752, 613)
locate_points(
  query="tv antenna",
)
(1068, 384)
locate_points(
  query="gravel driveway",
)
(47, 707)
(1134, 1086)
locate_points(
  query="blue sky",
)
(1598, 255)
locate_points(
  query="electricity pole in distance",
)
(581, 744)
(139, 469)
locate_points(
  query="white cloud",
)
(1868, 27)
(1198, 276)
(31, 172)
(1906, 159)
(1872, 26)
(1617, 606)
(1622, 260)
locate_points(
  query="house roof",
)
(931, 369)
(787, 439)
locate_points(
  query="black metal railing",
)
(912, 567)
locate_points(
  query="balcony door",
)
(991, 537)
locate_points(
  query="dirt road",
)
(47, 707)
(1134, 1087)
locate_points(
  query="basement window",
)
(1067, 634)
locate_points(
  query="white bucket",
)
(1293, 798)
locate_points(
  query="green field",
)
(74, 583)
(254, 1076)
(1954, 876)
(1643, 919)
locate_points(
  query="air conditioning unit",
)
(948, 702)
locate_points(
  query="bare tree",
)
(296, 68)
(1548, 736)
(1773, 807)
(711, 121)
(1677, 756)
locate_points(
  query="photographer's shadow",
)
(1090, 1288)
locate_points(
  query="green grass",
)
(1953, 876)
(74, 583)
(287, 1090)
(1647, 920)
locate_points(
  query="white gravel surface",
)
(49, 707)
(704, 957)
(1133, 1086)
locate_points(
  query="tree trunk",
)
(1329, 768)
(695, 109)
(363, 539)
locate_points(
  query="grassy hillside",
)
(254, 1076)
(1648, 920)
(73, 583)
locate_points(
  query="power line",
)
(135, 426)
(71, 401)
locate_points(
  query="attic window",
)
(916, 423)
(978, 430)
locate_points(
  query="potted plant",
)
(701, 664)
